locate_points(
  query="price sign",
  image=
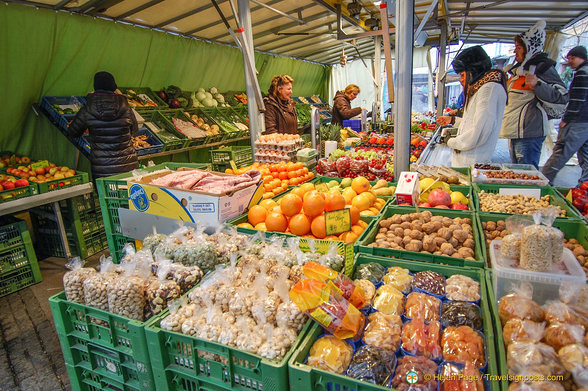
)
(337, 221)
(39, 164)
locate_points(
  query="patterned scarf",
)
(492, 76)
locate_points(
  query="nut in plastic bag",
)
(73, 280)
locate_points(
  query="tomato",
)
(584, 186)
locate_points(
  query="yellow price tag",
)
(569, 196)
(39, 164)
(337, 221)
(233, 165)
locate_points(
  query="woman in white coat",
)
(485, 99)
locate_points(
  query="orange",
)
(354, 213)
(349, 194)
(281, 167)
(268, 195)
(245, 225)
(318, 227)
(261, 227)
(276, 222)
(331, 237)
(313, 192)
(291, 167)
(268, 204)
(298, 166)
(313, 204)
(292, 174)
(299, 225)
(228, 171)
(283, 175)
(348, 237)
(256, 214)
(360, 184)
(298, 191)
(361, 202)
(356, 229)
(362, 224)
(291, 204)
(372, 197)
(306, 187)
(277, 209)
(334, 201)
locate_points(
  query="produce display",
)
(372, 364)
(277, 176)
(140, 141)
(438, 194)
(463, 344)
(210, 129)
(40, 175)
(330, 354)
(441, 173)
(458, 287)
(429, 282)
(139, 99)
(372, 271)
(277, 147)
(398, 278)
(497, 230)
(420, 305)
(515, 204)
(422, 338)
(580, 198)
(301, 212)
(369, 164)
(424, 232)
(210, 98)
(383, 331)
(187, 128)
(389, 300)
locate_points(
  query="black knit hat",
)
(104, 81)
(578, 51)
(473, 60)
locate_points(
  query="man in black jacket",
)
(110, 122)
(573, 128)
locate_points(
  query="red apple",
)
(442, 207)
(8, 185)
(439, 197)
(425, 205)
(21, 183)
(39, 171)
(459, 206)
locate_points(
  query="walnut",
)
(447, 221)
(396, 219)
(407, 232)
(406, 218)
(465, 252)
(383, 230)
(447, 249)
(437, 218)
(406, 240)
(417, 224)
(429, 227)
(380, 236)
(385, 223)
(426, 215)
(454, 242)
(399, 232)
(490, 225)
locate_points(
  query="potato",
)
(469, 243)
(447, 249)
(414, 245)
(445, 233)
(429, 244)
(460, 235)
(439, 241)
(405, 225)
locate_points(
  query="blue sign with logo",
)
(138, 197)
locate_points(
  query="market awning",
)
(307, 29)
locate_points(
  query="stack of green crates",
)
(18, 262)
(83, 224)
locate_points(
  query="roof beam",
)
(312, 18)
(299, 19)
(184, 15)
(61, 4)
(138, 9)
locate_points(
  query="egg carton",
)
(266, 159)
(284, 145)
(271, 152)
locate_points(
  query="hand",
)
(562, 124)
(444, 120)
(531, 81)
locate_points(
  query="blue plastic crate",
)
(62, 120)
(156, 144)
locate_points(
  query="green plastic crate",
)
(304, 377)
(555, 197)
(11, 232)
(161, 119)
(208, 121)
(149, 92)
(82, 379)
(220, 158)
(133, 372)
(498, 337)
(222, 121)
(58, 184)
(180, 362)
(22, 277)
(19, 192)
(369, 235)
(113, 194)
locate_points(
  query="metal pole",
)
(441, 73)
(387, 51)
(378, 74)
(256, 120)
(403, 94)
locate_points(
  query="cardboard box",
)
(408, 189)
(189, 205)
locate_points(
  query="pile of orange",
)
(301, 212)
(277, 177)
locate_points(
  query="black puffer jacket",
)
(111, 122)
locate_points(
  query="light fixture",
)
(354, 9)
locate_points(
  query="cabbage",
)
(201, 90)
(214, 102)
(201, 96)
(208, 95)
(208, 102)
(213, 91)
(220, 98)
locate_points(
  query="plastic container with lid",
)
(480, 177)
(507, 274)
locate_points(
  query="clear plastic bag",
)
(372, 364)
(461, 313)
(359, 167)
(463, 344)
(541, 245)
(330, 354)
(327, 167)
(369, 291)
(73, 280)
(343, 165)
(426, 369)
(575, 360)
(518, 304)
(370, 271)
(511, 243)
(399, 278)
(389, 300)
(332, 259)
(421, 305)
(525, 331)
(558, 335)
(383, 331)
(227, 241)
(430, 282)
(197, 251)
(96, 284)
(533, 359)
(161, 291)
(560, 312)
(126, 294)
(460, 377)
(348, 290)
(151, 242)
(177, 316)
(459, 287)
(422, 339)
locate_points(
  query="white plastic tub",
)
(506, 274)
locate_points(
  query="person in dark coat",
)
(111, 122)
(342, 105)
(280, 110)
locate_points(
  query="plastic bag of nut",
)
(96, 284)
(126, 294)
(177, 315)
(541, 244)
(73, 281)
(511, 243)
(186, 277)
(161, 291)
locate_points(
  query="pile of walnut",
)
(425, 233)
(497, 230)
(246, 307)
(141, 141)
(515, 204)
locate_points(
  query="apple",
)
(425, 205)
(73, 172)
(8, 185)
(52, 170)
(459, 206)
(68, 174)
(1, 188)
(33, 179)
(21, 183)
(26, 160)
(39, 171)
(442, 207)
(64, 169)
(58, 175)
